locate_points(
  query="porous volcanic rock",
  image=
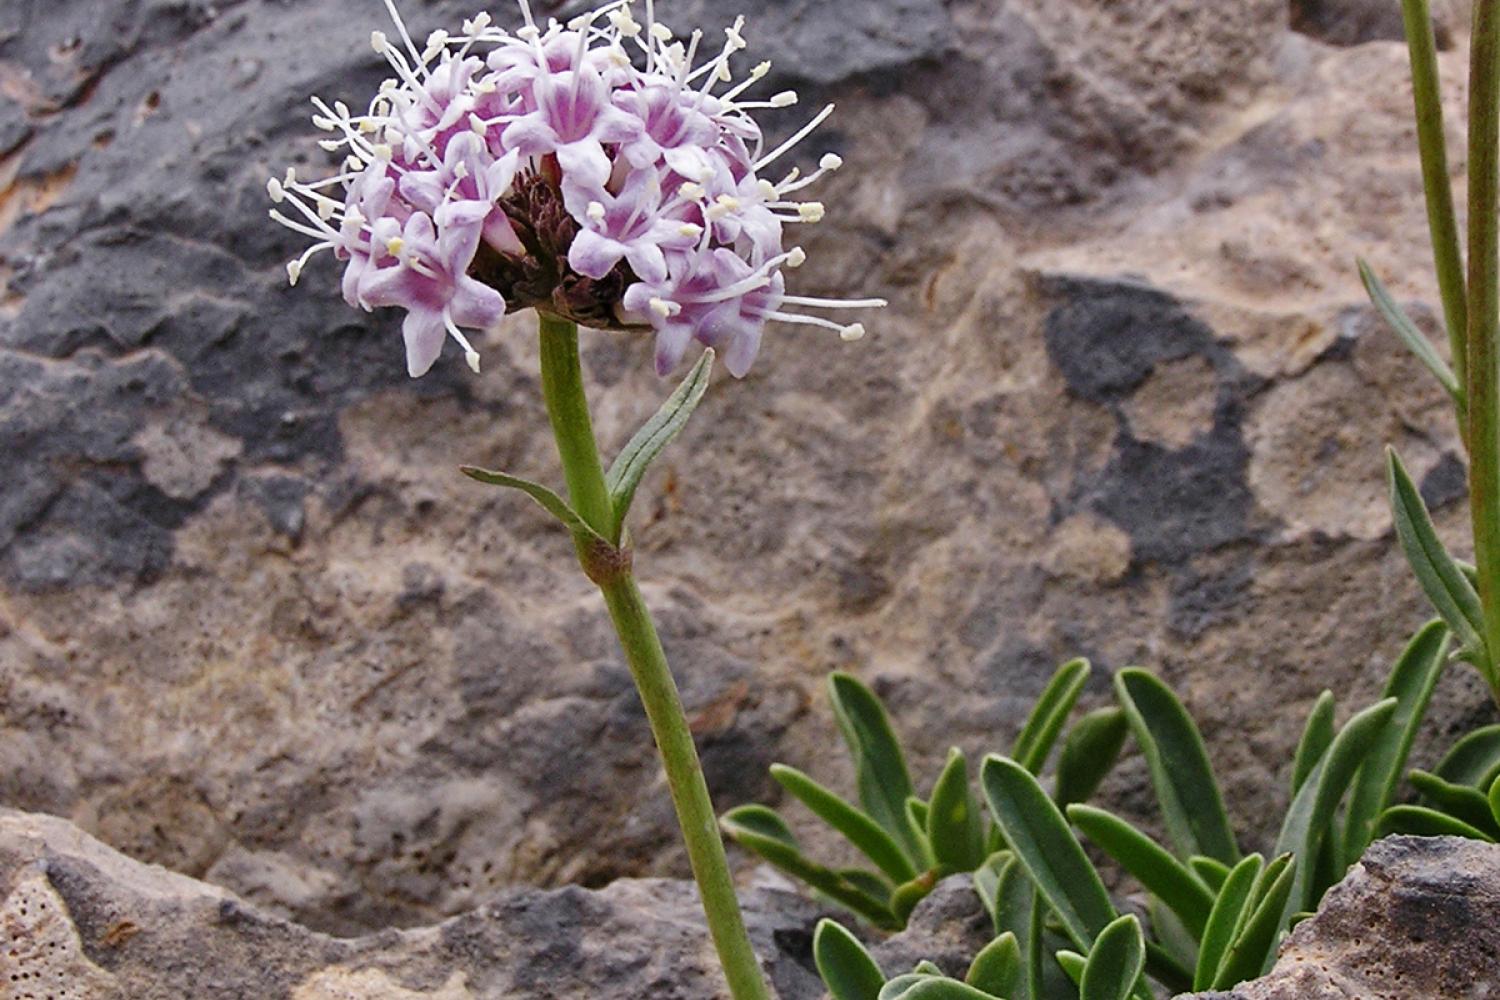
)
(1416, 919)
(1127, 403)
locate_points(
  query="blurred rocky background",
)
(1128, 403)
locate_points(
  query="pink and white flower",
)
(658, 214)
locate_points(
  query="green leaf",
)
(1171, 957)
(863, 832)
(1011, 900)
(1316, 736)
(879, 766)
(1184, 780)
(1414, 339)
(1441, 579)
(847, 968)
(760, 830)
(1042, 842)
(1474, 759)
(1255, 944)
(1419, 821)
(955, 828)
(1212, 871)
(997, 969)
(1073, 964)
(1048, 715)
(1493, 798)
(1310, 817)
(1411, 683)
(1088, 753)
(935, 988)
(987, 883)
(549, 500)
(1114, 963)
(1462, 802)
(909, 894)
(1157, 870)
(1225, 919)
(655, 434)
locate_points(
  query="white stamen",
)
(275, 190)
(801, 133)
(852, 332)
(595, 211)
(810, 211)
(690, 229)
(785, 99)
(395, 245)
(663, 308)
(692, 192)
(379, 42)
(830, 161)
(796, 257)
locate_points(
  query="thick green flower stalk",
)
(605, 174)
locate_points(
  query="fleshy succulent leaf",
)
(862, 831)
(881, 774)
(1225, 920)
(955, 826)
(1114, 963)
(1089, 751)
(1037, 736)
(1411, 683)
(848, 970)
(1180, 771)
(1474, 759)
(1173, 882)
(1316, 735)
(1047, 849)
(1462, 802)
(997, 969)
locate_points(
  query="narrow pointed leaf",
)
(655, 434)
(1225, 919)
(898, 987)
(1042, 842)
(1419, 821)
(1316, 735)
(848, 970)
(1114, 963)
(1411, 683)
(1310, 817)
(1401, 325)
(863, 832)
(997, 969)
(1462, 802)
(1174, 951)
(1089, 751)
(1440, 577)
(1158, 871)
(1048, 715)
(1190, 801)
(1494, 800)
(1212, 871)
(549, 500)
(1255, 945)
(760, 830)
(1474, 759)
(955, 828)
(908, 894)
(879, 765)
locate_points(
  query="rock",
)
(256, 628)
(83, 922)
(1416, 919)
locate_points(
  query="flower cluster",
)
(589, 169)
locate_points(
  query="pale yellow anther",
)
(785, 99)
(275, 190)
(595, 211)
(382, 152)
(831, 161)
(690, 229)
(766, 188)
(661, 32)
(852, 332)
(661, 307)
(472, 357)
(691, 191)
(810, 211)
(796, 257)
(379, 42)
(395, 245)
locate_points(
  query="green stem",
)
(1432, 144)
(1483, 375)
(567, 407)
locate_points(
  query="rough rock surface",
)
(1416, 919)
(80, 921)
(1127, 403)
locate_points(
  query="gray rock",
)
(83, 922)
(1416, 919)
(1126, 403)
